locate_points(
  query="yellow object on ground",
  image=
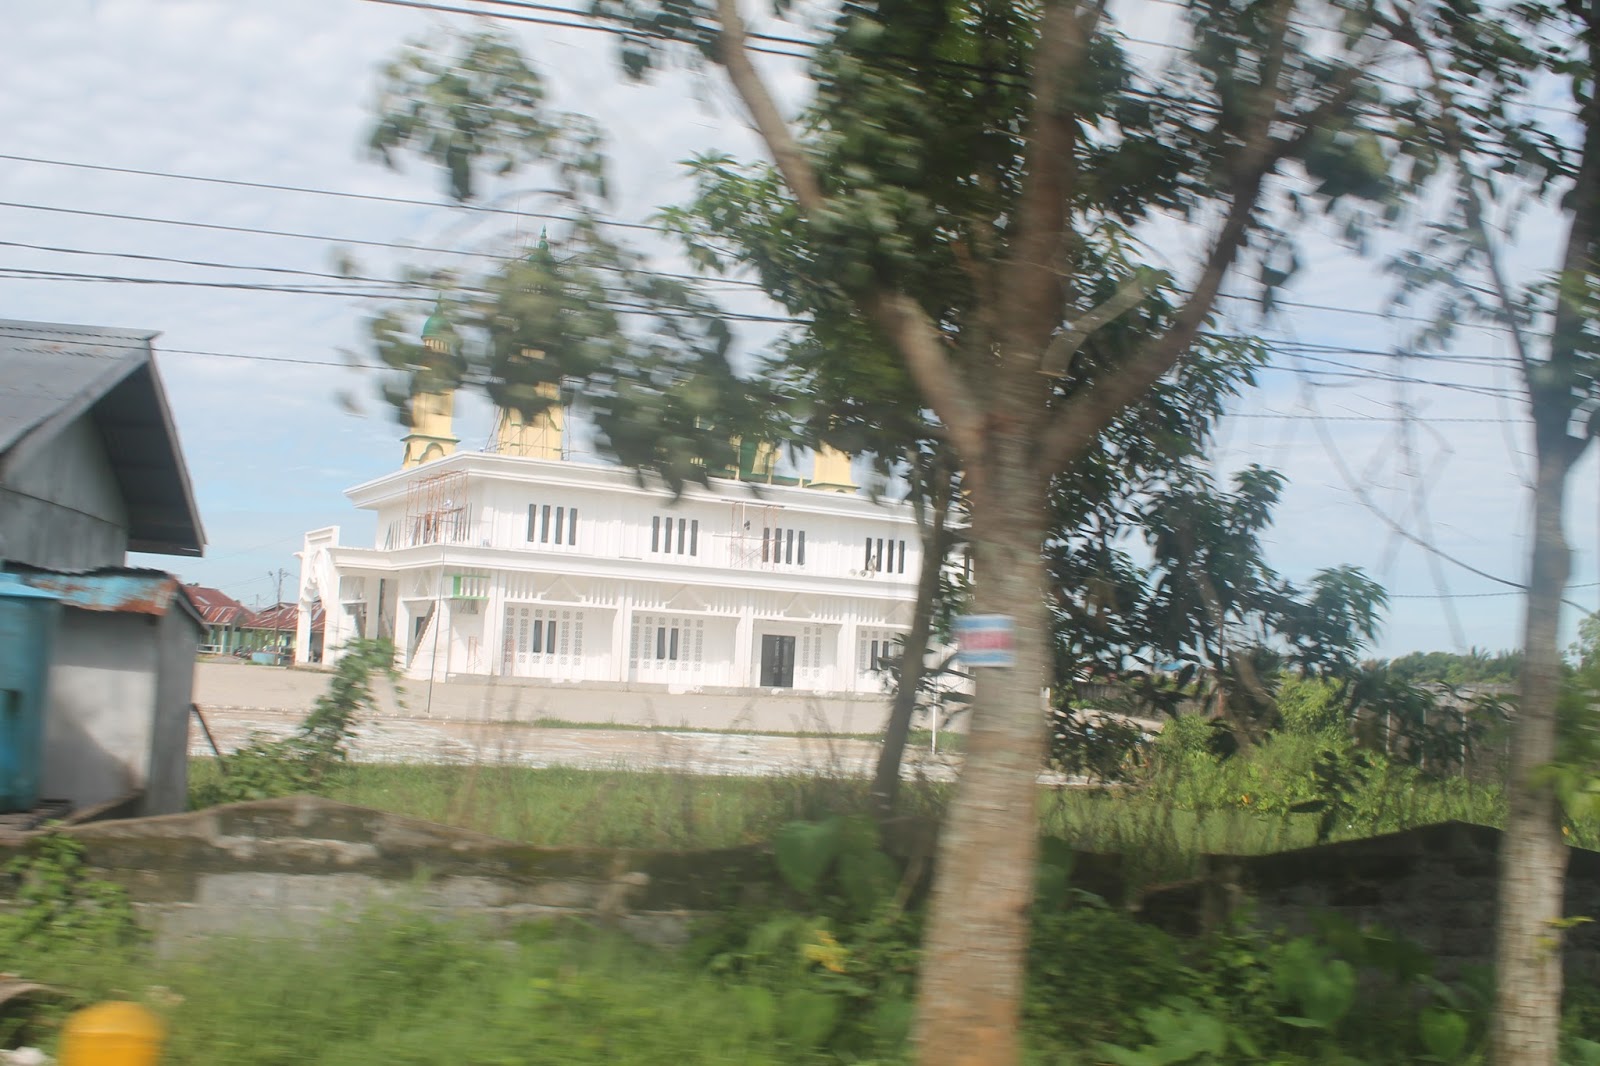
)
(112, 1034)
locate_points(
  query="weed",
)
(304, 761)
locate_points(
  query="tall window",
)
(668, 641)
(552, 525)
(885, 556)
(670, 536)
(786, 546)
(875, 649)
(538, 638)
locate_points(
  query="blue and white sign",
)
(986, 640)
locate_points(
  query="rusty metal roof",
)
(283, 617)
(216, 607)
(55, 374)
(113, 589)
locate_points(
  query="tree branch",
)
(1032, 285)
(910, 329)
(1404, 30)
(1082, 417)
(1057, 358)
(901, 318)
(791, 161)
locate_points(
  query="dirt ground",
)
(415, 740)
(473, 722)
(228, 683)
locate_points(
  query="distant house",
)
(225, 618)
(274, 628)
(91, 469)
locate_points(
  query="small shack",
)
(121, 682)
(90, 469)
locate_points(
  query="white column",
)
(494, 624)
(744, 638)
(445, 630)
(845, 655)
(402, 631)
(621, 636)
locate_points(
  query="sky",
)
(275, 424)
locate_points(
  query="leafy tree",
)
(578, 319)
(1206, 619)
(970, 189)
(1468, 124)
(1476, 667)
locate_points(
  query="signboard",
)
(986, 640)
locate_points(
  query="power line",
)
(1389, 419)
(23, 332)
(397, 291)
(148, 258)
(728, 282)
(306, 189)
(1475, 595)
(523, 7)
(295, 235)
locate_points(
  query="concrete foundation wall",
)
(290, 867)
(1434, 885)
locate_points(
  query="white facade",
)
(502, 566)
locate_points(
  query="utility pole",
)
(277, 616)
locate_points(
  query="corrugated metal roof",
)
(54, 374)
(283, 617)
(114, 589)
(51, 368)
(216, 607)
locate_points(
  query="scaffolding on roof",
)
(747, 537)
(436, 509)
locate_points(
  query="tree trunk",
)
(886, 781)
(975, 949)
(1533, 859)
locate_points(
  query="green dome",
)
(436, 330)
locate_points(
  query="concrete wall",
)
(226, 684)
(1434, 885)
(118, 723)
(102, 685)
(290, 867)
(167, 786)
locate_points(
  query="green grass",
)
(395, 990)
(566, 807)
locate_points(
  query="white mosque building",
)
(514, 563)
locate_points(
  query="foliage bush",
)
(58, 907)
(304, 761)
(1089, 967)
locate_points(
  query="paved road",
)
(224, 683)
(415, 740)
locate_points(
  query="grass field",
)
(565, 807)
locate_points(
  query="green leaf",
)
(809, 1017)
(867, 879)
(1444, 1033)
(805, 850)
